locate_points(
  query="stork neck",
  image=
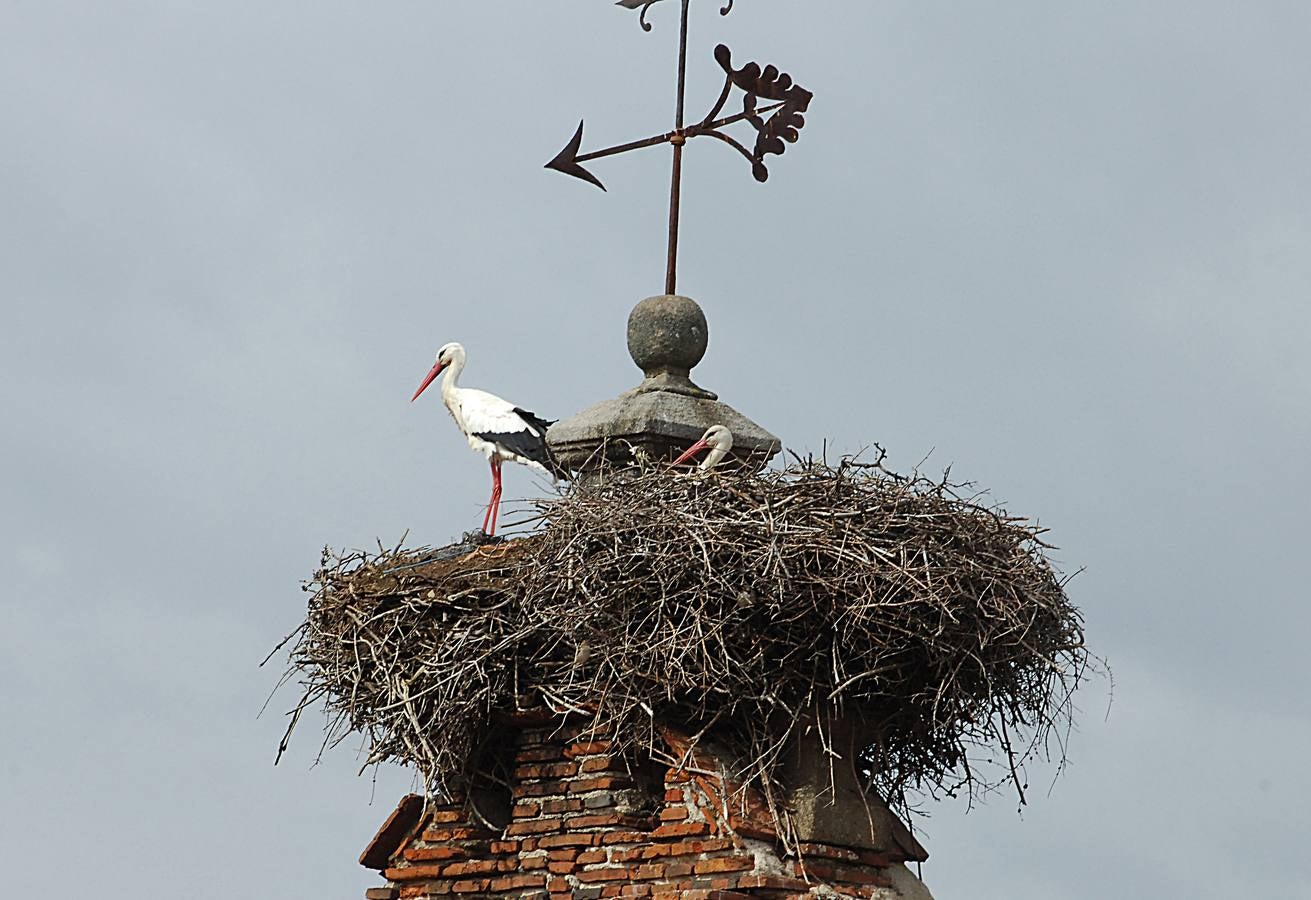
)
(714, 457)
(451, 383)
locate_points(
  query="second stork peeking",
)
(718, 439)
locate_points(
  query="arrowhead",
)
(566, 160)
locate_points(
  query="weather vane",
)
(777, 123)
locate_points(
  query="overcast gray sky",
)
(1065, 248)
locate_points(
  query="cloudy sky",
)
(1064, 248)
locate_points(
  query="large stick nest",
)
(741, 607)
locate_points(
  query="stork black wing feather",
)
(534, 420)
(527, 444)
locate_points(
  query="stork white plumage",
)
(496, 428)
(718, 439)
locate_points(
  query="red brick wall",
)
(582, 827)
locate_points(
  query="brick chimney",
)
(578, 823)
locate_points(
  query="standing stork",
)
(494, 427)
(718, 439)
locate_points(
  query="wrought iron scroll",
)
(646, 26)
(783, 127)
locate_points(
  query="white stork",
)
(718, 439)
(496, 428)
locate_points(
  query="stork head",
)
(450, 354)
(718, 439)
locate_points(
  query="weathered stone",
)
(599, 800)
(659, 424)
(667, 336)
(830, 804)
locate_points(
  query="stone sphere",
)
(667, 332)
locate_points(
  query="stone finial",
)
(667, 337)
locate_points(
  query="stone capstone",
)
(667, 337)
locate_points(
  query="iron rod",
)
(690, 132)
(682, 66)
(676, 179)
(624, 148)
(729, 120)
(675, 189)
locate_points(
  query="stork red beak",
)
(690, 452)
(427, 380)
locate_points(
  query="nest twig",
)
(740, 606)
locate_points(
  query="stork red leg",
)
(487, 516)
(494, 507)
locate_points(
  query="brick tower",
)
(578, 823)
